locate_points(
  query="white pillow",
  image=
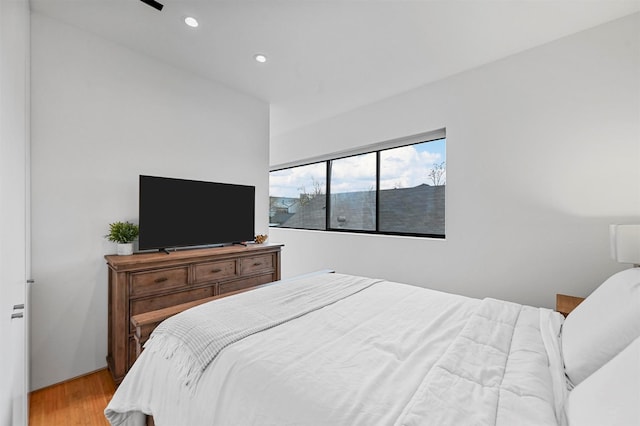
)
(611, 395)
(602, 325)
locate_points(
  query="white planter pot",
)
(125, 249)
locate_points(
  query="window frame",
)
(432, 137)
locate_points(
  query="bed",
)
(334, 349)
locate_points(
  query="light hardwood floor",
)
(79, 401)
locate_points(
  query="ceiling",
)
(330, 56)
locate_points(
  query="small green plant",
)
(122, 232)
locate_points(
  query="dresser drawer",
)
(140, 306)
(214, 271)
(247, 283)
(249, 265)
(159, 280)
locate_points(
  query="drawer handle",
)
(216, 270)
(257, 264)
(161, 279)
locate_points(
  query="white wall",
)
(102, 115)
(543, 152)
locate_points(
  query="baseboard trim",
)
(69, 380)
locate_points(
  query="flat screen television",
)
(181, 213)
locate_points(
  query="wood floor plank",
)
(80, 401)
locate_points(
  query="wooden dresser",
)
(150, 281)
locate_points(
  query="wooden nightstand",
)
(565, 304)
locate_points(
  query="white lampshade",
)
(625, 243)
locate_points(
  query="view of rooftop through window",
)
(408, 200)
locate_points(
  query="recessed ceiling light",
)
(191, 21)
(260, 58)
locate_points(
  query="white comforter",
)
(391, 354)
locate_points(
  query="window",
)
(353, 193)
(297, 197)
(412, 189)
(398, 190)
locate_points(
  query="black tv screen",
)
(181, 213)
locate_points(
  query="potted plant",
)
(123, 233)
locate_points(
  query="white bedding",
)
(391, 354)
(195, 338)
